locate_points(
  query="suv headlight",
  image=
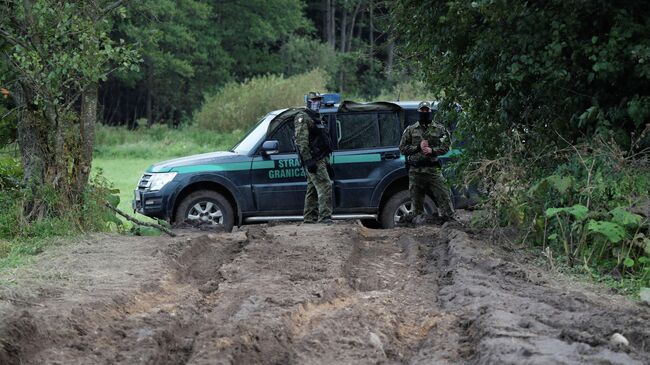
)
(159, 180)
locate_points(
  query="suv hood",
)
(212, 161)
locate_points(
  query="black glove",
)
(440, 151)
(311, 166)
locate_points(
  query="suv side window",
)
(367, 130)
(284, 135)
(357, 130)
(389, 130)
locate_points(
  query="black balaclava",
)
(425, 117)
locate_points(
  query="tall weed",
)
(20, 237)
(238, 106)
(592, 210)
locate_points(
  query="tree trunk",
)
(326, 20)
(87, 120)
(31, 142)
(329, 17)
(331, 31)
(372, 33)
(344, 27)
(390, 58)
(149, 95)
(353, 20)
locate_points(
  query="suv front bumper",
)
(150, 203)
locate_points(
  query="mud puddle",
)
(308, 294)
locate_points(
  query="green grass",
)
(123, 173)
(159, 143)
(123, 155)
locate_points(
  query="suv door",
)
(278, 182)
(366, 150)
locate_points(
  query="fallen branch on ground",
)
(139, 222)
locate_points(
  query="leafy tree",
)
(182, 58)
(253, 31)
(533, 71)
(193, 47)
(57, 53)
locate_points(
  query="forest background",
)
(555, 105)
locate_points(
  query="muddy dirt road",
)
(309, 294)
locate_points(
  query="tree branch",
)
(110, 8)
(139, 222)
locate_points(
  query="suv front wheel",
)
(206, 207)
(398, 206)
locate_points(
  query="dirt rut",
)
(311, 294)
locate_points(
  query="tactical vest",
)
(434, 133)
(320, 141)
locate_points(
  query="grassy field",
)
(123, 173)
(122, 156)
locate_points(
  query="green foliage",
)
(612, 231)
(77, 50)
(20, 238)
(238, 106)
(182, 55)
(8, 121)
(578, 211)
(194, 47)
(588, 208)
(302, 55)
(526, 72)
(11, 173)
(250, 32)
(407, 90)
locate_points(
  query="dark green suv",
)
(260, 178)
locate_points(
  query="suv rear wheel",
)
(398, 206)
(206, 207)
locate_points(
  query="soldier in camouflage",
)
(422, 143)
(318, 199)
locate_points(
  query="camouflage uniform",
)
(424, 170)
(318, 200)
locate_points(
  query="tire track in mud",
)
(154, 325)
(510, 314)
(317, 294)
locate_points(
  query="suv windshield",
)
(253, 136)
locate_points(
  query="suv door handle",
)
(390, 156)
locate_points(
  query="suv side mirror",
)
(270, 147)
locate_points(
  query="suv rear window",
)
(367, 130)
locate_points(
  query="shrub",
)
(591, 209)
(11, 173)
(239, 105)
(301, 55)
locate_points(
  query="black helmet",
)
(314, 99)
(424, 110)
(314, 95)
(424, 104)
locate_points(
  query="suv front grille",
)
(144, 182)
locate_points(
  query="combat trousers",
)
(318, 199)
(429, 181)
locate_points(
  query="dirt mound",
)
(310, 294)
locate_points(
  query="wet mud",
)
(309, 294)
